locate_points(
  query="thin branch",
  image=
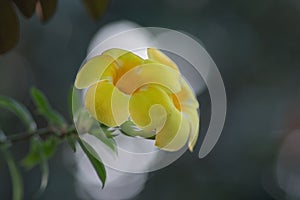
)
(43, 132)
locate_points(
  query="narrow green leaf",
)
(9, 26)
(96, 8)
(87, 124)
(33, 156)
(49, 146)
(45, 109)
(71, 138)
(129, 128)
(109, 142)
(20, 110)
(46, 151)
(95, 160)
(15, 174)
(27, 7)
(44, 176)
(39, 151)
(72, 142)
(108, 131)
(46, 9)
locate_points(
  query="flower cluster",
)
(150, 93)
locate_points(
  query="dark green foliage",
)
(44, 109)
(44, 142)
(95, 160)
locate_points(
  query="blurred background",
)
(256, 46)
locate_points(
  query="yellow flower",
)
(151, 93)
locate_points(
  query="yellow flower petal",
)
(125, 60)
(92, 71)
(161, 101)
(99, 103)
(157, 55)
(174, 134)
(186, 102)
(189, 106)
(193, 118)
(186, 95)
(153, 73)
(149, 107)
(115, 53)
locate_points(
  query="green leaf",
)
(27, 7)
(19, 110)
(46, 110)
(71, 138)
(109, 142)
(72, 142)
(129, 128)
(96, 8)
(95, 160)
(39, 151)
(15, 174)
(49, 146)
(87, 124)
(46, 9)
(9, 26)
(45, 174)
(108, 131)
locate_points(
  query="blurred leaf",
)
(49, 146)
(27, 7)
(2, 136)
(9, 26)
(45, 177)
(39, 151)
(45, 109)
(72, 137)
(20, 110)
(44, 166)
(15, 174)
(96, 8)
(95, 161)
(46, 9)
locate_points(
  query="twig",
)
(43, 132)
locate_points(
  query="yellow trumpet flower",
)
(150, 93)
